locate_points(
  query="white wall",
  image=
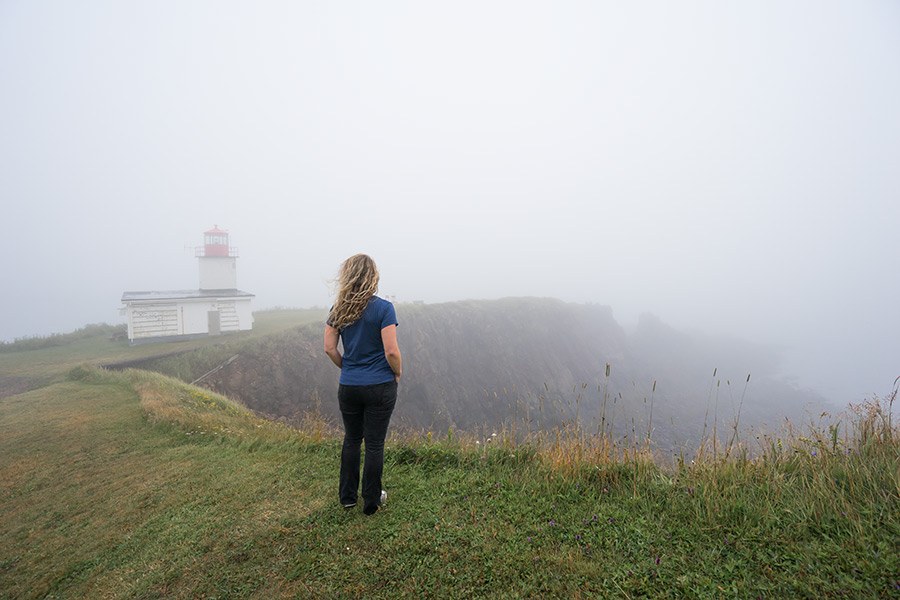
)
(245, 314)
(187, 317)
(218, 273)
(152, 320)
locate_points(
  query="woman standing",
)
(370, 371)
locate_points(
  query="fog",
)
(732, 168)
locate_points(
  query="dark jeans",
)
(366, 411)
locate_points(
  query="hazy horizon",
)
(731, 169)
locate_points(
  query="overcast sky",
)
(732, 167)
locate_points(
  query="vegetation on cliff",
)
(522, 364)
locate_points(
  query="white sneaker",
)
(383, 497)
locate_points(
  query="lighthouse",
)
(216, 307)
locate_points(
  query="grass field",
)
(25, 370)
(139, 486)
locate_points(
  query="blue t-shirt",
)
(364, 362)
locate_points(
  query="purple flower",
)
(657, 560)
(552, 523)
(578, 537)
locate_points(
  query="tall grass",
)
(861, 445)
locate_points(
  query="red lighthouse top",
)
(215, 243)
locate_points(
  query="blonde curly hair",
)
(357, 282)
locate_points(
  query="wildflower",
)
(657, 560)
(552, 523)
(578, 537)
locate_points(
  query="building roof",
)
(184, 295)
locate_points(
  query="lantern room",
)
(215, 243)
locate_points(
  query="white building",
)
(217, 307)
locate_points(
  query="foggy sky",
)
(730, 167)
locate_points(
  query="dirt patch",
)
(142, 363)
(11, 385)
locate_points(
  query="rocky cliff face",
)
(535, 363)
(466, 364)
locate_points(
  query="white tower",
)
(218, 269)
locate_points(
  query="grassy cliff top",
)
(34, 362)
(136, 485)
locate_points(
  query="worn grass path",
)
(137, 486)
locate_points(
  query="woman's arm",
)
(331, 343)
(392, 350)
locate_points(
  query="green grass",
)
(25, 367)
(136, 485)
